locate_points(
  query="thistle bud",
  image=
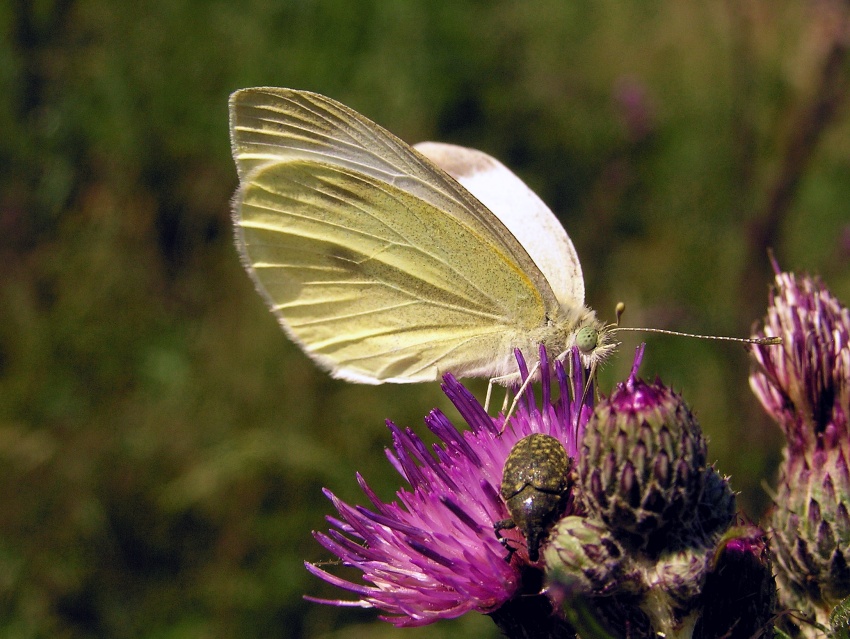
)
(674, 585)
(593, 581)
(717, 505)
(643, 469)
(740, 591)
(811, 527)
(584, 552)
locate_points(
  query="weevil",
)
(536, 486)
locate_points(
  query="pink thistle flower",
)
(805, 386)
(805, 383)
(433, 553)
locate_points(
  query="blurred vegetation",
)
(162, 444)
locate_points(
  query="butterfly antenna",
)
(620, 309)
(759, 341)
(618, 312)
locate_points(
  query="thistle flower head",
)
(805, 386)
(627, 539)
(643, 470)
(433, 553)
(811, 531)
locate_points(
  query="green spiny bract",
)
(717, 505)
(811, 528)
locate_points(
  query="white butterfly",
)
(391, 263)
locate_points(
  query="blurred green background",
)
(163, 445)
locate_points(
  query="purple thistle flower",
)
(805, 383)
(805, 386)
(433, 554)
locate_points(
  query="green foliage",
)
(162, 446)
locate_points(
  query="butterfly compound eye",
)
(587, 339)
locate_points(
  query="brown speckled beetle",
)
(535, 486)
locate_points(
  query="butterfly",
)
(391, 263)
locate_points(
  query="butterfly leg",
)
(519, 394)
(502, 380)
(489, 395)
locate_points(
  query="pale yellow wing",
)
(379, 264)
(520, 209)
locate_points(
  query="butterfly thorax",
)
(559, 334)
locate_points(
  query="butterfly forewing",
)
(270, 125)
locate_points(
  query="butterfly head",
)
(578, 327)
(595, 343)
